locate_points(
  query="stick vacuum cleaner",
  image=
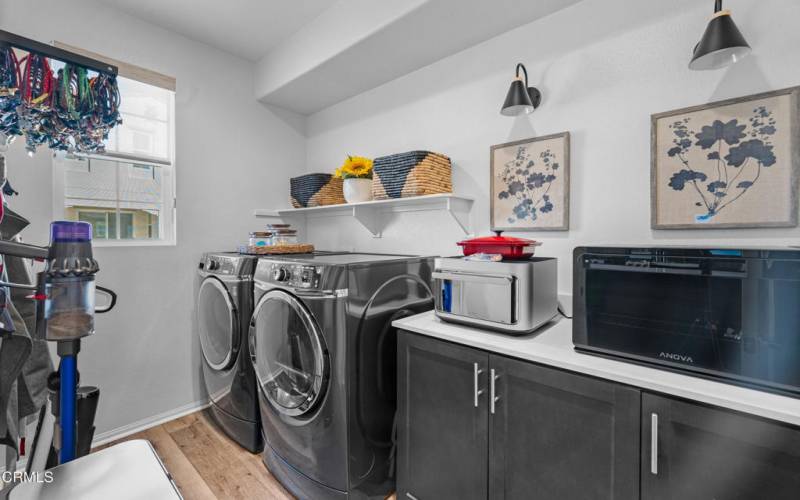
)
(65, 314)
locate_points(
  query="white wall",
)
(603, 67)
(233, 154)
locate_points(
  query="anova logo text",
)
(676, 357)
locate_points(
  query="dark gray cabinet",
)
(695, 452)
(558, 435)
(474, 425)
(547, 434)
(442, 433)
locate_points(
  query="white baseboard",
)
(146, 423)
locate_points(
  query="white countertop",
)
(552, 345)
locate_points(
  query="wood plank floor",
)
(206, 464)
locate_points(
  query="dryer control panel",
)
(225, 265)
(296, 275)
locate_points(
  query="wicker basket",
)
(314, 190)
(280, 249)
(415, 173)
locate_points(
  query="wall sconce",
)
(521, 98)
(722, 43)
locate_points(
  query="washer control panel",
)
(296, 275)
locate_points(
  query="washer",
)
(325, 357)
(224, 302)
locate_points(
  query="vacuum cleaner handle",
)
(23, 250)
(111, 294)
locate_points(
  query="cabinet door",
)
(557, 435)
(442, 432)
(696, 452)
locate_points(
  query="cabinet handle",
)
(654, 443)
(492, 398)
(475, 372)
(412, 497)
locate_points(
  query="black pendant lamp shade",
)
(722, 43)
(521, 99)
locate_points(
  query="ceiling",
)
(246, 28)
(391, 45)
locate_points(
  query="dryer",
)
(224, 304)
(325, 356)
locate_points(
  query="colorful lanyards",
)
(71, 112)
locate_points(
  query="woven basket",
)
(415, 173)
(314, 190)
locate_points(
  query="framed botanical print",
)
(529, 185)
(728, 164)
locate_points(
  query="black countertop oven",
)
(732, 314)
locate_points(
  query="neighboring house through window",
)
(128, 192)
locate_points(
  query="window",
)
(127, 193)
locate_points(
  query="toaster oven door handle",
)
(475, 278)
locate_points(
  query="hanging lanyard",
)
(37, 82)
(9, 72)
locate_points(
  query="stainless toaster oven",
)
(515, 297)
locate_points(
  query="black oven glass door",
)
(738, 316)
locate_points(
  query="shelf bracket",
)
(459, 210)
(370, 218)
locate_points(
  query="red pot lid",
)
(498, 240)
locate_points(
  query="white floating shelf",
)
(370, 213)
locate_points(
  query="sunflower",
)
(357, 167)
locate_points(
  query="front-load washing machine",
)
(325, 357)
(224, 304)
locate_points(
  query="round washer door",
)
(289, 354)
(217, 323)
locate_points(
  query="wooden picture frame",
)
(529, 184)
(707, 163)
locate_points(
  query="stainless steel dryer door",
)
(218, 324)
(289, 354)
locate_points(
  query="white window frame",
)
(168, 220)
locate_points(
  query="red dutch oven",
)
(509, 247)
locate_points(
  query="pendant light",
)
(722, 43)
(521, 99)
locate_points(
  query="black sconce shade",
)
(521, 99)
(722, 43)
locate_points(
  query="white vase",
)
(357, 190)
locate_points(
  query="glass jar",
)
(261, 239)
(285, 237)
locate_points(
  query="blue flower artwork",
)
(527, 180)
(530, 184)
(735, 156)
